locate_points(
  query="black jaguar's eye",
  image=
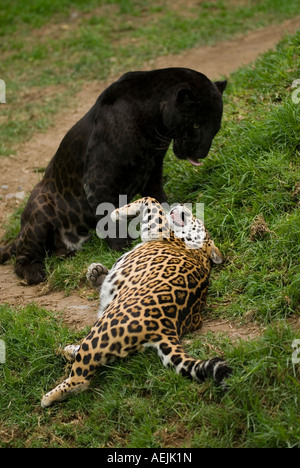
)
(196, 125)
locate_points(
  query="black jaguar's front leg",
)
(103, 199)
(154, 186)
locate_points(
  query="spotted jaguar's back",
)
(151, 297)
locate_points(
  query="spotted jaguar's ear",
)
(215, 253)
(221, 85)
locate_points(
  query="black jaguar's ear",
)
(185, 95)
(221, 85)
(181, 94)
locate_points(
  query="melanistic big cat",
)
(116, 148)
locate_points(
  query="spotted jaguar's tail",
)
(173, 355)
(215, 368)
(7, 252)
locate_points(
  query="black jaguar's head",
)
(193, 117)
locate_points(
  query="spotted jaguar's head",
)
(157, 224)
(193, 117)
(192, 230)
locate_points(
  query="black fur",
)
(116, 148)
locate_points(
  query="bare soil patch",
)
(225, 57)
(20, 173)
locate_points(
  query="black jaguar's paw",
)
(119, 244)
(33, 272)
(96, 274)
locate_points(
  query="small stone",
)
(18, 195)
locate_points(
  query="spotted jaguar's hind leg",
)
(97, 349)
(62, 391)
(172, 354)
(82, 371)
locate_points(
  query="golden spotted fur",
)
(152, 296)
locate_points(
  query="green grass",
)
(253, 169)
(138, 403)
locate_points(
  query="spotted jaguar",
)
(152, 296)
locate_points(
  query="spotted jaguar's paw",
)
(96, 274)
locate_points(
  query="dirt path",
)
(18, 174)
